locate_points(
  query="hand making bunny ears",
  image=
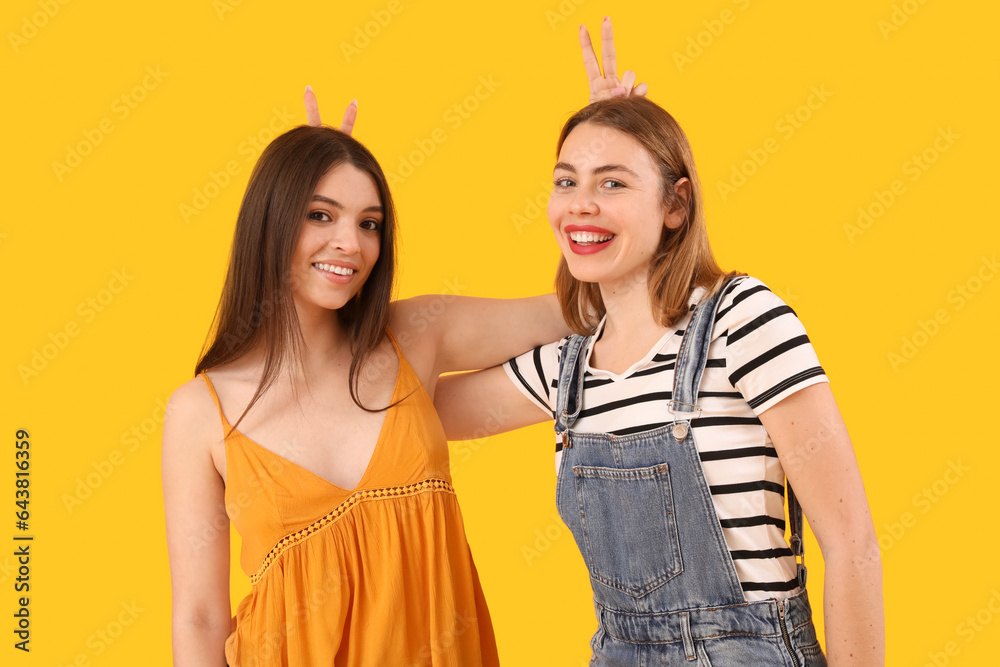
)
(602, 86)
(312, 112)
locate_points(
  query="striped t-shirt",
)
(759, 355)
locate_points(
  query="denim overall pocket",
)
(628, 525)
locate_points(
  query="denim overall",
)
(665, 588)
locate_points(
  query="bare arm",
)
(197, 529)
(469, 333)
(816, 453)
(484, 403)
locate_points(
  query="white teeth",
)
(339, 270)
(590, 237)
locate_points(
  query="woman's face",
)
(339, 240)
(606, 208)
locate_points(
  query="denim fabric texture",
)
(665, 588)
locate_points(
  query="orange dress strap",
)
(395, 344)
(215, 397)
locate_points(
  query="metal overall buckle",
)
(682, 418)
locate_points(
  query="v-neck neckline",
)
(375, 450)
(698, 292)
(638, 365)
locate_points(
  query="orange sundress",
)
(379, 575)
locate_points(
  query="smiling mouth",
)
(590, 238)
(332, 268)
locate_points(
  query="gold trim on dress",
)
(340, 510)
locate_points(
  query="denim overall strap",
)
(691, 359)
(569, 393)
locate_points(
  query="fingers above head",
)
(628, 80)
(590, 63)
(312, 108)
(350, 116)
(641, 90)
(608, 49)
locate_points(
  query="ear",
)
(676, 215)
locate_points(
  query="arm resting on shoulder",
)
(818, 458)
(483, 403)
(197, 529)
(470, 333)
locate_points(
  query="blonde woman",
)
(685, 399)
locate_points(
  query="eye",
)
(371, 225)
(564, 183)
(320, 216)
(612, 184)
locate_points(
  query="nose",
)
(582, 202)
(345, 238)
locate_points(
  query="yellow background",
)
(228, 70)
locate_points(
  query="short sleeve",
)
(536, 373)
(768, 354)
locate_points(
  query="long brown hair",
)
(256, 307)
(683, 259)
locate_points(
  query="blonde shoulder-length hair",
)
(683, 259)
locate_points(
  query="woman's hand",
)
(312, 112)
(607, 85)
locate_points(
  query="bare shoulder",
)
(191, 401)
(411, 323)
(191, 421)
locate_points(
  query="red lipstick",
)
(588, 248)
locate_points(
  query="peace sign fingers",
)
(603, 86)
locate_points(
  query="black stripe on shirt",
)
(758, 322)
(710, 363)
(790, 585)
(599, 382)
(724, 421)
(541, 373)
(520, 378)
(738, 298)
(749, 554)
(747, 521)
(626, 402)
(653, 370)
(733, 284)
(747, 487)
(696, 422)
(745, 452)
(762, 359)
(638, 429)
(719, 394)
(782, 386)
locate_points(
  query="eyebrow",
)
(598, 170)
(337, 205)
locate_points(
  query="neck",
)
(629, 312)
(326, 344)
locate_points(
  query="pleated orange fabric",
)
(377, 575)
